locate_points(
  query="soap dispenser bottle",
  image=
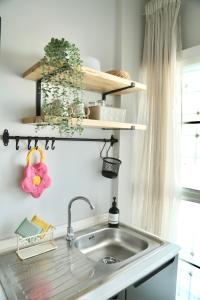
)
(113, 218)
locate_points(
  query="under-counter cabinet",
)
(158, 285)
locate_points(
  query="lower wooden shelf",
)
(85, 123)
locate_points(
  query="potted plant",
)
(62, 86)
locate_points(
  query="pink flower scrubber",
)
(35, 178)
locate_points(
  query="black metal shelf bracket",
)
(6, 137)
(131, 128)
(132, 85)
(192, 122)
(38, 97)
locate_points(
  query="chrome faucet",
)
(70, 232)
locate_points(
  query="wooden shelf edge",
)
(39, 120)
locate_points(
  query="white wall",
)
(27, 26)
(190, 14)
(110, 30)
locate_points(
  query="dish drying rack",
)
(36, 244)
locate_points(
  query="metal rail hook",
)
(17, 142)
(46, 144)
(52, 144)
(36, 142)
(29, 143)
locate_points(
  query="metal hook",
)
(52, 144)
(46, 144)
(108, 149)
(102, 149)
(112, 140)
(29, 143)
(17, 142)
(36, 142)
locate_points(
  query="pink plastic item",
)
(36, 178)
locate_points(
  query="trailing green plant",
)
(62, 85)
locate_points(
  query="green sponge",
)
(26, 229)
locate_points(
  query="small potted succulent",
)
(62, 86)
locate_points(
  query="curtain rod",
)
(183, 2)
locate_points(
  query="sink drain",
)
(108, 260)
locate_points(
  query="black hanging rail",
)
(7, 137)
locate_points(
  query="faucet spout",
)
(70, 232)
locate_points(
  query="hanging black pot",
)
(110, 167)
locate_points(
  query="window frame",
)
(191, 56)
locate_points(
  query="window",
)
(191, 127)
(188, 287)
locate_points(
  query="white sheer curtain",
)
(155, 152)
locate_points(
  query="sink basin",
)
(112, 245)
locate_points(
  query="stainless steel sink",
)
(113, 245)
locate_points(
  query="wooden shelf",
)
(93, 80)
(86, 123)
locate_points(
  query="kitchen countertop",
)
(66, 273)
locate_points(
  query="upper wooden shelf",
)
(93, 80)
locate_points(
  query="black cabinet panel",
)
(158, 285)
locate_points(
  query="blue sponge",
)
(26, 229)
